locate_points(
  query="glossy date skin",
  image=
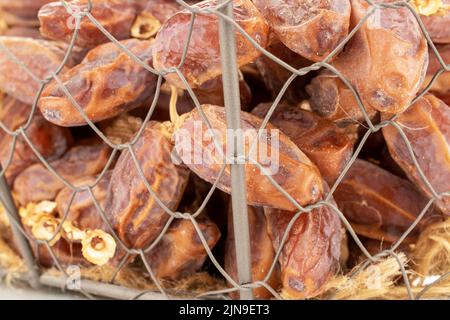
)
(379, 205)
(106, 83)
(310, 255)
(116, 16)
(437, 25)
(296, 173)
(262, 253)
(441, 86)
(41, 57)
(202, 62)
(311, 28)
(133, 212)
(387, 74)
(426, 125)
(37, 183)
(321, 140)
(82, 211)
(180, 252)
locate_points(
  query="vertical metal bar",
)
(20, 239)
(231, 93)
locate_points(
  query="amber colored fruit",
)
(288, 166)
(202, 62)
(437, 25)
(426, 125)
(312, 28)
(441, 86)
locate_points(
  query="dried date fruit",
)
(21, 13)
(441, 87)
(40, 57)
(426, 125)
(49, 140)
(134, 213)
(288, 166)
(37, 183)
(25, 32)
(275, 76)
(318, 138)
(180, 252)
(262, 252)
(333, 100)
(13, 113)
(437, 24)
(202, 62)
(310, 255)
(312, 29)
(378, 204)
(160, 9)
(387, 74)
(116, 16)
(82, 212)
(106, 83)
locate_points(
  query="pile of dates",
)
(127, 166)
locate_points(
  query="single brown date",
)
(202, 61)
(318, 138)
(40, 57)
(426, 125)
(311, 28)
(106, 83)
(21, 13)
(37, 183)
(82, 211)
(180, 252)
(292, 170)
(310, 255)
(378, 204)
(262, 252)
(387, 74)
(116, 16)
(133, 212)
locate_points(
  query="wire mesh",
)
(231, 26)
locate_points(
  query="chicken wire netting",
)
(244, 285)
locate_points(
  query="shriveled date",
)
(40, 57)
(311, 28)
(37, 183)
(441, 85)
(106, 83)
(437, 25)
(116, 16)
(262, 252)
(134, 213)
(310, 255)
(286, 164)
(202, 61)
(426, 125)
(378, 204)
(180, 252)
(318, 138)
(387, 74)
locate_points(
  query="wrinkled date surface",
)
(378, 204)
(131, 209)
(441, 86)
(39, 56)
(180, 252)
(275, 76)
(318, 138)
(426, 125)
(311, 252)
(105, 84)
(116, 16)
(49, 140)
(13, 114)
(311, 28)
(67, 254)
(387, 74)
(289, 166)
(262, 252)
(160, 9)
(332, 99)
(202, 61)
(82, 211)
(37, 183)
(437, 25)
